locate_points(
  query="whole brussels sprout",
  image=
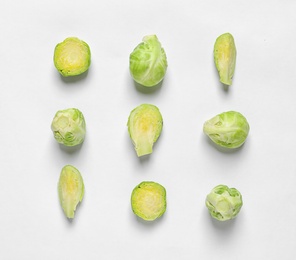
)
(225, 57)
(144, 127)
(70, 189)
(68, 127)
(72, 57)
(148, 62)
(148, 200)
(229, 129)
(224, 203)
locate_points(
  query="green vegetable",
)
(148, 62)
(225, 57)
(224, 203)
(68, 127)
(72, 57)
(144, 127)
(148, 200)
(70, 189)
(229, 129)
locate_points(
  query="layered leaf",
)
(69, 127)
(70, 189)
(224, 203)
(72, 57)
(148, 200)
(229, 129)
(148, 62)
(225, 57)
(144, 126)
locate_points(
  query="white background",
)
(184, 161)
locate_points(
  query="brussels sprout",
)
(70, 189)
(148, 62)
(72, 57)
(224, 203)
(144, 127)
(68, 127)
(148, 200)
(225, 57)
(229, 129)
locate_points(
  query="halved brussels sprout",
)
(70, 189)
(72, 57)
(68, 127)
(225, 57)
(144, 127)
(224, 203)
(148, 200)
(229, 129)
(148, 62)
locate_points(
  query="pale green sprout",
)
(225, 57)
(70, 189)
(224, 203)
(72, 57)
(148, 200)
(229, 129)
(148, 62)
(144, 126)
(68, 127)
